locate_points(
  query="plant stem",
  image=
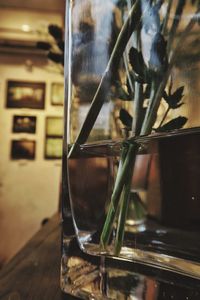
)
(123, 209)
(165, 22)
(138, 105)
(129, 26)
(165, 115)
(122, 177)
(177, 18)
(124, 203)
(127, 72)
(152, 107)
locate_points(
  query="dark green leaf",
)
(43, 45)
(178, 105)
(56, 32)
(178, 94)
(136, 61)
(56, 57)
(147, 91)
(121, 93)
(165, 96)
(136, 77)
(61, 45)
(174, 99)
(125, 118)
(176, 123)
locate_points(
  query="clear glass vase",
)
(132, 163)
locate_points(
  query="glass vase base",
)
(158, 260)
(107, 278)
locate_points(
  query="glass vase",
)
(132, 136)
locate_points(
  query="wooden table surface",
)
(34, 273)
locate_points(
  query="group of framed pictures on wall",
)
(53, 141)
(31, 95)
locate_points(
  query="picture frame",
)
(23, 149)
(53, 148)
(54, 126)
(57, 93)
(25, 94)
(24, 124)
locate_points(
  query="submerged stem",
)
(122, 177)
(124, 203)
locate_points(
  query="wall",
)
(29, 190)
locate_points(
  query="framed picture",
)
(23, 149)
(26, 124)
(53, 148)
(54, 126)
(25, 94)
(57, 93)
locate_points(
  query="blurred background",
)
(31, 119)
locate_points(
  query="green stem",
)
(122, 177)
(124, 203)
(165, 21)
(177, 18)
(128, 73)
(98, 100)
(152, 108)
(123, 210)
(138, 104)
(164, 117)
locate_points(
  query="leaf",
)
(56, 57)
(43, 45)
(125, 118)
(147, 91)
(61, 45)
(56, 32)
(165, 96)
(174, 99)
(176, 123)
(121, 93)
(136, 61)
(178, 94)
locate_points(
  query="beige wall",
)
(29, 190)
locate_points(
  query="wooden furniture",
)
(34, 273)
